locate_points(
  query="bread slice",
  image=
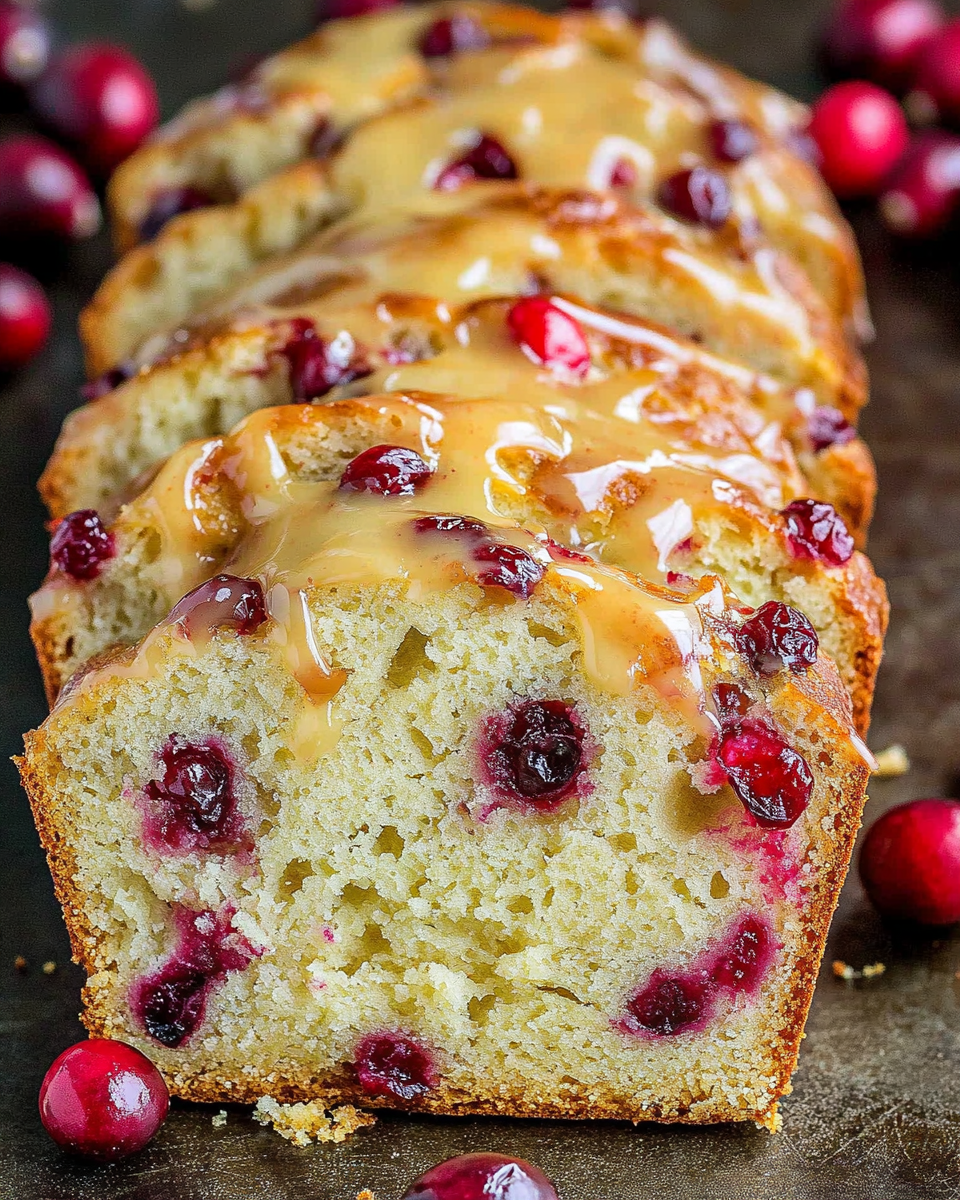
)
(407, 822)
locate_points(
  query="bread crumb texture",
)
(311, 1122)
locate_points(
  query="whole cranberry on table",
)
(24, 44)
(880, 39)
(935, 93)
(910, 862)
(44, 191)
(482, 1176)
(24, 317)
(99, 98)
(103, 1100)
(923, 192)
(861, 133)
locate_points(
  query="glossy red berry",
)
(103, 1100)
(698, 195)
(777, 636)
(482, 1176)
(386, 471)
(487, 158)
(389, 1064)
(456, 34)
(99, 98)
(861, 133)
(193, 805)
(732, 141)
(922, 195)
(452, 526)
(936, 86)
(24, 44)
(827, 427)
(44, 191)
(508, 567)
(81, 544)
(24, 317)
(535, 752)
(316, 365)
(816, 530)
(771, 779)
(549, 335)
(910, 862)
(170, 203)
(880, 39)
(223, 602)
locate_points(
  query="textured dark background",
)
(876, 1110)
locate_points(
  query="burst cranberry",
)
(486, 159)
(223, 602)
(827, 427)
(386, 471)
(550, 335)
(624, 174)
(109, 381)
(456, 34)
(777, 636)
(936, 87)
(816, 530)
(880, 39)
(698, 195)
(391, 1065)
(24, 44)
(193, 806)
(81, 544)
(44, 191)
(772, 781)
(732, 141)
(482, 1177)
(923, 194)
(465, 527)
(24, 317)
(910, 862)
(741, 964)
(103, 1100)
(861, 133)
(316, 365)
(100, 98)
(169, 203)
(669, 1004)
(535, 752)
(509, 567)
(332, 10)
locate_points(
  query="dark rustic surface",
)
(876, 1108)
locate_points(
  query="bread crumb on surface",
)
(365, 1195)
(891, 762)
(844, 971)
(219, 1119)
(48, 968)
(20, 963)
(312, 1122)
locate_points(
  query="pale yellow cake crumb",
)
(311, 1122)
(48, 968)
(365, 1195)
(844, 971)
(219, 1119)
(892, 762)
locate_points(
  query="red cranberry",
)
(24, 44)
(778, 636)
(910, 862)
(623, 173)
(81, 544)
(456, 34)
(936, 86)
(386, 471)
(103, 1100)
(510, 568)
(193, 806)
(699, 195)
(482, 1177)
(772, 781)
(828, 427)
(669, 1004)
(44, 191)
(24, 317)
(550, 335)
(732, 141)
(861, 133)
(316, 365)
(816, 530)
(535, 752)
(465, 527)
(223, 602)
(391, 1065)
(109, 381)
(740, 966)
(170, 203)
(922, 195)
(731, 700)
(332, 10)
(486, 159)
(880, 39)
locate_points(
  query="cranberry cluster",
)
(883, 49)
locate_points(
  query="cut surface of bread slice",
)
(433, 814)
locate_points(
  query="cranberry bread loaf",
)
(410, 808)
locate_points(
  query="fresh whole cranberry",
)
(386, 471)
(333, 10)
(389, 1064)
(508, 567)
(101, 99)
(317, 366)
(669, 1004)
(771, 780)
(482, 1176)
(103, 1100)
(24, 44)
(827, 427)
(223, 602)
(861, 133)
(486, 159)
(465, 527)
(549, 335)
(456, 34)
(816, 530)
(109, 381)
(44, 191)
(880, 39)
(936, 86)
(910, 862)
(698, 195)
(732, 141)
(535, 752)
(923, 193)
(740, 965)
(24, 317)
(193, 806)
(81, 544)
(169, 203)
(777, 636)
